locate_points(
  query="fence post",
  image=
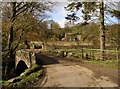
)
(82, 54)
(90, 54)
(117, 54)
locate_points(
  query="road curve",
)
(62, 73)
(67, 74)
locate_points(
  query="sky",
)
(59, 14)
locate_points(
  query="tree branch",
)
(18, 41)
(18, 4)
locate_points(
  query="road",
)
(70, 74)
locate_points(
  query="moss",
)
(5, 83)
(10, 84)
(30, 78)
(29, 75)
(31, 70)
(24, 80)
(0, 82)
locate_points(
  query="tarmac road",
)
(71, 74)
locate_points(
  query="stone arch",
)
(27, 56)
(21, 67)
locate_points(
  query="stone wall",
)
(36, 45)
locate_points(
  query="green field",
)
(108, 63)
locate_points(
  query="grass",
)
(31, 70)
(30, 78)
(108, 63)
(93, 54)
(0, 82)
(111, 54)
(30, 75)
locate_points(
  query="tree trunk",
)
(6, 71)
(10, 41)
(11, 31)
(102, 31)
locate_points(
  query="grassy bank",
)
(26, 78)
(108, 63)
(93, 56)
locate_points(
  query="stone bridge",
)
(24, 59)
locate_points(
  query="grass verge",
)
(108, 63)
(28, 77)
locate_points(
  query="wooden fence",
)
(90, 54)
